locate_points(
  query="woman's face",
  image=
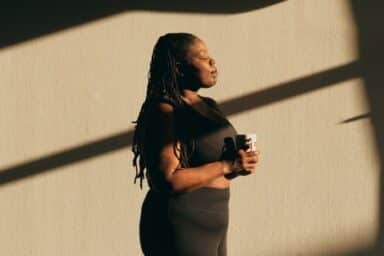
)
(202, 66)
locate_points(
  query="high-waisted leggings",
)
(194, 223)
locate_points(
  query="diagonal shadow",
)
(21, 24)
(66, 157)
(293, 88)
(257, 99)
(18, 24)
(355, 118)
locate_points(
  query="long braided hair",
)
(164, 80)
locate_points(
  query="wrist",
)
(226, 166)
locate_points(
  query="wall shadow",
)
(292, 88)
(18, 24)
(260, 98)
(65, 157)
(368, 16)
(356, 118)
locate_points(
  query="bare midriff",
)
(220, 182)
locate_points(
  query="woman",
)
(185, 143)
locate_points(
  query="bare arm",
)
(182, 179)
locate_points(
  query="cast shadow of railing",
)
(122, 140)
(65, 157)
(35, 19)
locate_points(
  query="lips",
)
(214, 72)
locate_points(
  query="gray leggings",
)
(190, 224)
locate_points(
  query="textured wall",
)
(287, 72)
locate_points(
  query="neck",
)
(190, 96)
(189, 93)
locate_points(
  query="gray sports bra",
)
(207, 125)
(205, 130)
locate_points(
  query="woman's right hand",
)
(244, 163)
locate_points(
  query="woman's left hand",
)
(250, 168)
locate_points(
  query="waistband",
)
(204, 198)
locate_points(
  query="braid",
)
(163, 81)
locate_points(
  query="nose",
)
(212, 62)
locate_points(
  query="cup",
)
(246, 141)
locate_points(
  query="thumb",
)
(241, 152)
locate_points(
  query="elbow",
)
(176, 184)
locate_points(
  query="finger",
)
(252, 159)
(242, 153)
(251, 153)
(250, 166)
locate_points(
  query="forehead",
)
(197, 47)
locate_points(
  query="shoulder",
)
(211, 102)
(208, 99)
(165, 108)
(164, 104)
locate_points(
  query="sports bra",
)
(204, 129)
(207, 125)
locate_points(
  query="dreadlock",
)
(169, 51)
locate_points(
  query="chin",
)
(211, 84)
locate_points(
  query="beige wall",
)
(315, 191)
